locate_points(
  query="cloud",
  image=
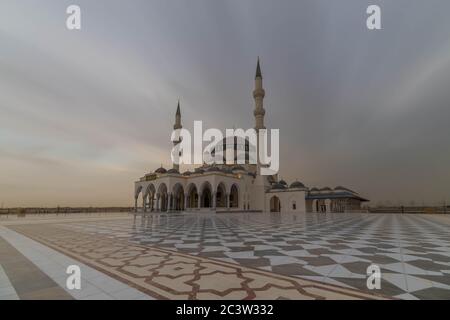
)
(83, 114)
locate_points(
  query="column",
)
(327, 205)
(214, 200)
(186, 202)
(199, 201)
(170, 203)
(228, 201)
(143, 203)
(135, 204)
(158, 197)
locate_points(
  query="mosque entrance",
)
(275, 205)
(192, 197)
(178, 198)
(234, 197)
(221, 196)
(206, 198)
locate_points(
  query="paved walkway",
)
(248, 256)
(29, 270)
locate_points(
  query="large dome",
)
(241, 148)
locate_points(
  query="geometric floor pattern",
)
(166, 274)
(32, 271)
(261, 255)
(412, 251)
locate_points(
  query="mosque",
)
(236, 187)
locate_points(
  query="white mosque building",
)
(236, 188)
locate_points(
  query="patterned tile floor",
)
(29, 270)
(413, 252)
(167, 274)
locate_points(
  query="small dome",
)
(314, 189)
(161, 170)
(341, 188)
(238, 168)
(284, 183)
(278, 186)
(173, 171)
(326, 189)
(187, 173)
(227, 170)
(297, 184)
(213, 169)
(199, 170)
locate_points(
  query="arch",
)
(138, 191)
(163, 197)
(162, 188)
(178, 197)
(136, 197)
(150, 193)
(206, 195)
(275, 205)
(320, 205)
(192, 199)
(234, 196)
(221, 196)
(150, 189)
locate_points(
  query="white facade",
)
(214, 190)
(289, 200)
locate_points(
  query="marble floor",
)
(32, 271)
(251, 256)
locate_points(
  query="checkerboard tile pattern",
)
(413, 251)
(167, 274)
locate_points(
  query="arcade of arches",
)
(179, 199)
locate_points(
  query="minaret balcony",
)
(259, 93)
(259, 112)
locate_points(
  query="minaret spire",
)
(178, 108)
(258, 95)
(258, 70)
(177, 126)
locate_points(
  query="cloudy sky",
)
(85, 113)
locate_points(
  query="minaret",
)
(261, 182)
(258, 95)
(177, 126)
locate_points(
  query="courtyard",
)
(225, 256)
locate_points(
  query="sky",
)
(84, 114)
